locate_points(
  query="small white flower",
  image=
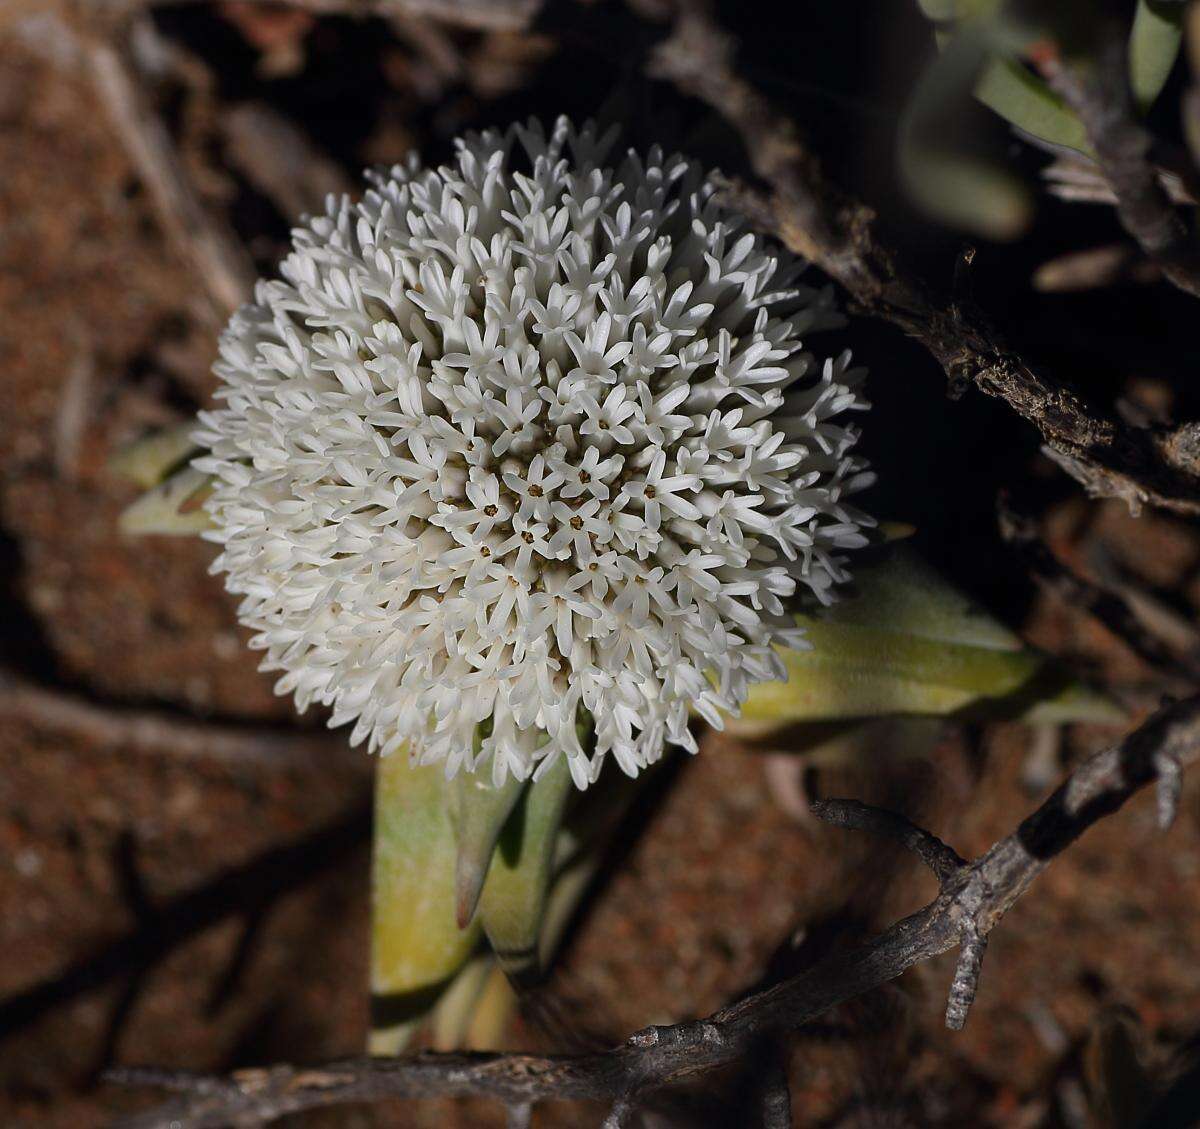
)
(524, 438)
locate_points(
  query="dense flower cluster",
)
(524, 437)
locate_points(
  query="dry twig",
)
(214, 251)
(1109, 607)
(820, 222)
(1078, 180)
(278, 158)
(160, 733)
(218, 257)
(1093, 269)
(774, 1105)
(483, 15)
(972, 898)
(1099, 94)
(1171, 626)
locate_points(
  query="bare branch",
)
(972, 900)
(944, 861)
(278, 158)
(1098, 92)
(620, 1116)
(818, 221)
(218, 257)
(482, 15)
(1173, 628)
(1093, 269)
(1109, 607)
(518, 1116)
(163, 734)
(205, 241)
(1077, 179)
(1170, 787)
(966, 977)
(775, 1099)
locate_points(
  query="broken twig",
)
(972, 898)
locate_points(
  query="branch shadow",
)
(249, 890)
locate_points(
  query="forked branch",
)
(817, 220)
(972, 898)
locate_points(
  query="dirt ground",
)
(161, 906)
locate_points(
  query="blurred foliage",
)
(984, 47)
(173, 502)
(1154, 44)
(175, 507)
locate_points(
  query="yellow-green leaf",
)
(147, 461)
(416, 944)
(174, 507)
(480, 810)
(903, 640)
(513, 900)
(1154, 44)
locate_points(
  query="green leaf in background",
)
(1154, 44)
(903, 640)
(981, 45)
(148, 461)
(955, 185)
(174, 507)
(940, 169)
(416, 944)
(1019, 96)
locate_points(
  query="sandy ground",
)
(159, 907)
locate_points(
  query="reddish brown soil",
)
(130, 881)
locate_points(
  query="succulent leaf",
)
(1154, 44)
(906, 641)
(480, 811)
(147, 461)
(416, 944)
(174, 507)
(513, 901)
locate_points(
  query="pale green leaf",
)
(416, 944)
(147, 461)
(480, 810)
(1019, 96)
(1154, 44)
(903, 640)
(945, 177)
(513, 900)
(174, 507)
(907, 595)
(451, 1018)
(1003, 83)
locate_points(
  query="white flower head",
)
(529, 438)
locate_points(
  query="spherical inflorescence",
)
(527, 439)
